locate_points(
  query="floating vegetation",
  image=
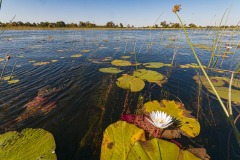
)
(31, 61)
(29, 144)
(190, 127)
(118, 139)
(106, 59)
(123, 140)
(62, 57)
(110, 70)
(203, 46)
(1, 59)
(132, 52)
(150, 76)
(125, 57)
(76, 55)
(219, 84)
(11, 80)
(60, 50)
(191, 65)
(85, 51)
(130, 82)
(20, 56)
(40, 63)
(54, 60)
(155, 64)
(158, 149)
(121, 63)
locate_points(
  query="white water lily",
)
(160, 119)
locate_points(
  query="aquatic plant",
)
(110, 70)
(130, 82)
(28, 144)
(160, 119)
(228, 114)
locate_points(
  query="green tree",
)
(191, 25)
(60, 24)
(110, 24)
(164, 24)
(121, 25)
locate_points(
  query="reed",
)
(228, 115)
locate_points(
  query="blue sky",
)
(134, 12)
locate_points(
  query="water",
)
(87, 101)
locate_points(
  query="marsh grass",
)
(227, 113)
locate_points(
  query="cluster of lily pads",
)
(221, 84)
(150, 135)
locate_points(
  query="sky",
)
(134, 12)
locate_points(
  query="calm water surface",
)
(87, 101)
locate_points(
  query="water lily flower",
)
(177, 8)
(160, 119)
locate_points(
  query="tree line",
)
(87, 24)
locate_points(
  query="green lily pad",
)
(40, 63)
(10, 81)
(155, 64)
(1, 59)
(121, 63)
(150, 76)
(76, 55)
(54, 60)
(31, 61)
(60, 50)
(203, 46)
(125, 57)
(192, 65)
(223, 93)
(216, 81)
(118, 138)
(189, 125)
(130, 82)
(85, 51)
(110, 70)
(158, 149)
(29, 144)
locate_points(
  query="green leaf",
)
(118, 139)
(28, 145)
(155, 64)
(121, 63)
(150, 76)
(157, 149)
(189, 125)
(40, 63)
(130, 82)
(110, 70)
(192, 65)
(125, 57)
(85, 51)
(76, 55)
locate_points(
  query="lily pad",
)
(1, 59)
(191, 65)
(76, 55)
(150, 76)
(203, 46)
(54, 60)
(125, 57)
(189, 125)
(216, 81)
(10, 81)
(29, 144)
(60, 50)
(85, 51)
(31, 61)
(40, 63)
(160, 150)
(118, 139)
(130, 82)
(223, 93)
(110, 70)
(155, 64)
(121, 63)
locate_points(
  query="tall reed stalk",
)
(229, 117)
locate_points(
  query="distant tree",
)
(128, 26)
(156, 26)
(82, 24)
(110, 24)
(191, 25)
(164, 24)
(175, 25)
(34, 24)
(20, 23)
(28, 24)
(60, 24)
(44, 24)
(121, 25)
